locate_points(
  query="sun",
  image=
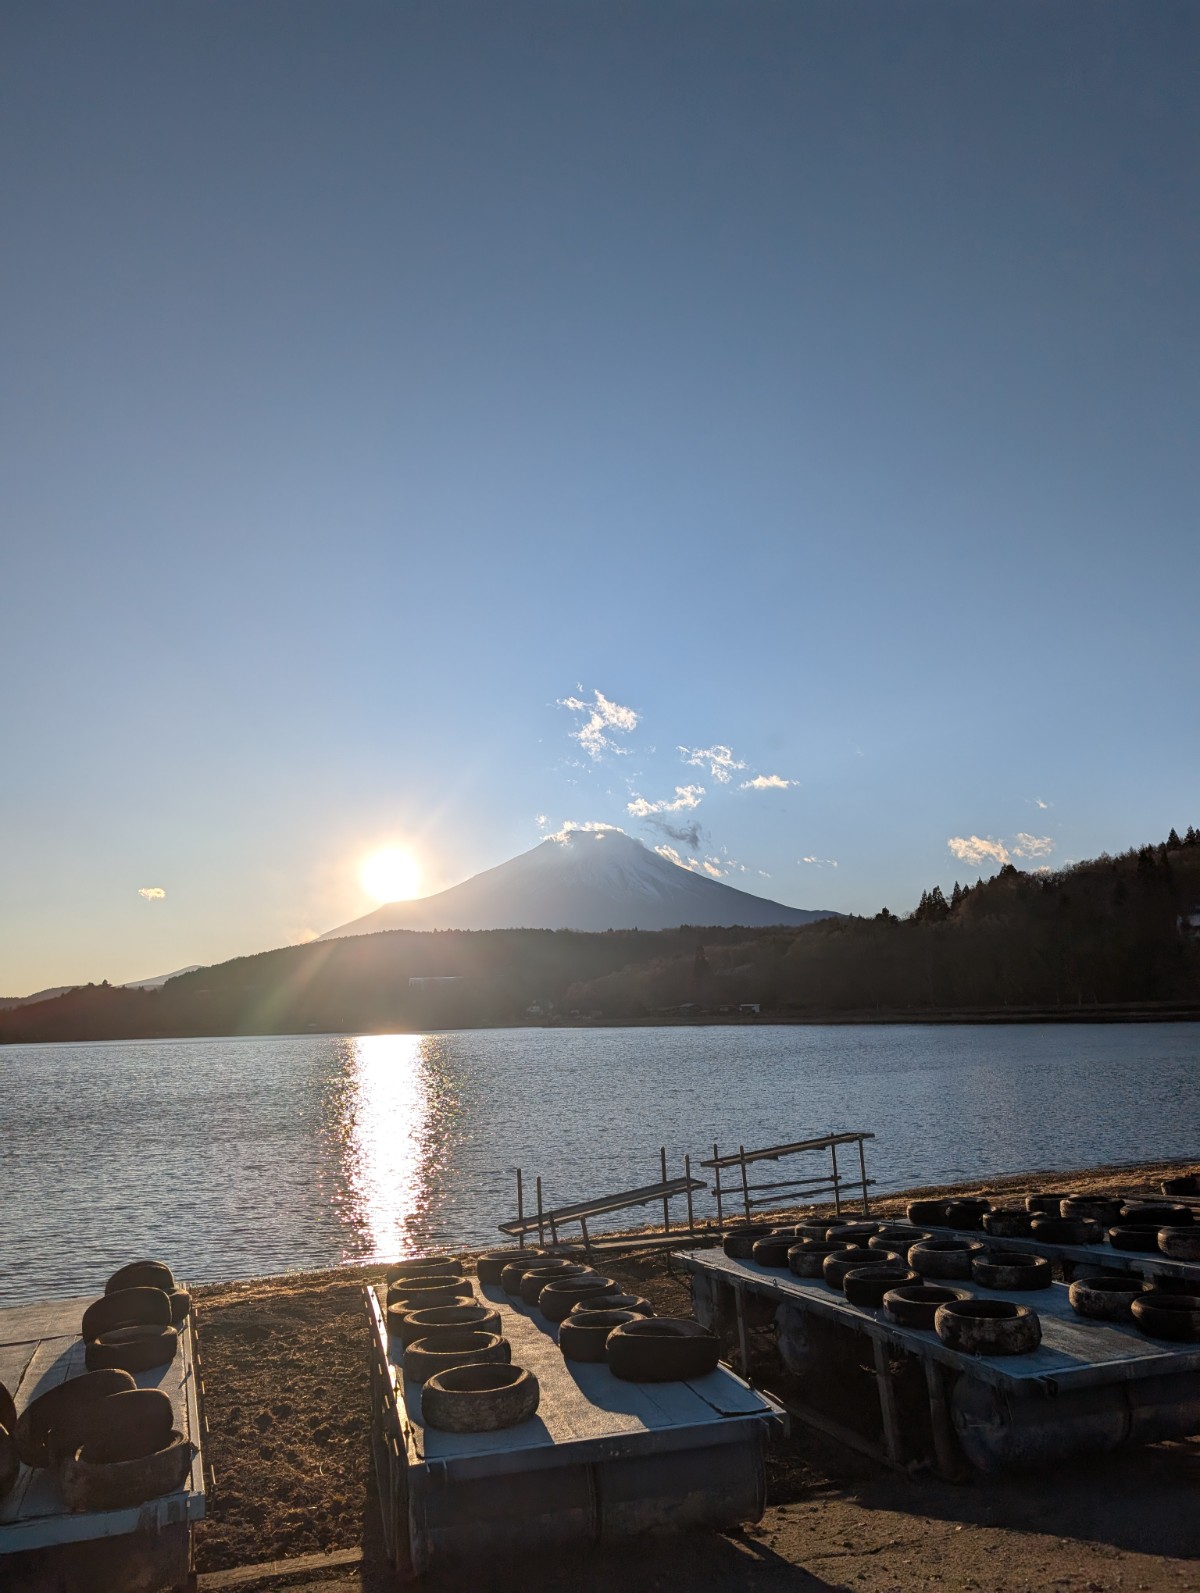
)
(391, 875)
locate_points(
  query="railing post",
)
(541, 1224)
(862, 1162)
(837, 1194)
(687, 1173)
(662, 1157)
(520, 1211)
(717, 1191)
(745, 1182)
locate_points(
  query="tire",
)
(916, 1304)
(419, 1296)
(1043, 1205)
(1141, 1239)
(814, 1230)
(57, 1403)
(662, 1349)
(10, 1460)
(1090, 1208)
(836, 1265)
(532, 1283)
(423, 1267)
(440, 1352)
(1187, 1184)
(132, 1349)
(415, 1325)
(966, 1215)
(853, 1233)
(479, 1399)
(615, 1302)
(1106, 1299)
(1007, 1222)
(1168, 1316)
(8, 1410)
(126, 1308)
(944, 1258)
(558, 1300)
(988, 1327)
(489, 1267)
(927, 1213)
(898, 1239)
(181, 1306)
(866, 1286)
(513, 1271)
(142, 1275)
(1180, 1244)
(1012, 1269)
(584, 1337)
(89, 1482)
(739, 1243)
(773, 1250)
(128, 1426)
(806, 1258)
(1154, 1215)
(1066, 1231)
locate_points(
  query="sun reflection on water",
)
(385, 1150)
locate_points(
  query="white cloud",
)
(152, 893)
(591, 827)
(820, 862)
(686, 796)
(1038, 803)
(603, 715)
(977, 849)
(712, 865)
(672, 856)
(541, 821)
(766, 782)
(722, 764)
(1032, 845)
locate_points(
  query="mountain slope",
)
(587, 880)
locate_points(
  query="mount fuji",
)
(589, 880)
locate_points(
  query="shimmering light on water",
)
(385, 1143)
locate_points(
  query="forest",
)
(1113, 935)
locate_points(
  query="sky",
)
(767, 427)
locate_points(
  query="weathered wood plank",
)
(645, 1195)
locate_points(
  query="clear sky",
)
(816, 381)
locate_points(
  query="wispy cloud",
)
(603, 716)
(1032, 845)
(1038, 803)
(819, 862)
(541, 821)
(152, 893)
(978, 849)
(713, 866)
(686, 796)
(766, 782)
(720, 761)
(591, 827)
(689, 835)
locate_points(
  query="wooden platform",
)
(1084, 1259)
(601, 1458)
(40, 1347)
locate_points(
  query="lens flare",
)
(391, 875)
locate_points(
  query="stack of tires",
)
(134, 1325)
(640, 1349)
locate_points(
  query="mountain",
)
(586, 880)
(8, 1002)
(159, 980)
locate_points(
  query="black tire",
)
(1106, 1299)
(557, 1300)
(181, 1306)
(420, 1296)
(814, 1230)
(425, 1267)
(129, 1425)
(479, 1399)
(1012, 1269)
(126, 1308)
(441, 1351)
(90, 1481)
(413, 1325)
(615, 1302)
(988, 1327)
(1066, 1231)
(1168, 1316)
(583, 1337)
(8, 1410)
(836, 1265)
(132, 1349)
(662, 1349)
(806, 1258)
(1186, 1184)
(927, 1213)
(513, 1271)
(898, 1239)
(57, 1403)
(1150, 1214)
(489, 1267)
(866, 1286)
(916, 1304)
(532, 1283)
(1043, 1205)
(853, 1233)
(10, 1461)
(966, 1215)
(739, 1243)
(944, 1258)
(1007, 1222)
(1180, 1244)
(1103, 1209)
(142, 1275)
(773, 1250)
(1144, 1240)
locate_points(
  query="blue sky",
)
(817, 381)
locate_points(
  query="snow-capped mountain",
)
(587, 880)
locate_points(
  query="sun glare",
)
(391, 875)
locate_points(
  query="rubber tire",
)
(36, 1420)
(773, 1250)
(126, 1308)
(927, 1213)
(90, 1483)
(866, 1286)
(142, 1275)
(476, 1318)
(739, 1244)
(513, 1271)
(835, 1266)
(489, 1266)
(10, 1460)
(532, 1283)
(456, 1291)
(853, 1233)
(988, 1327)
(966, 1215)
(806, 1259)
(1142, 1240)
(615, 1302)
(814, 1230)
(944, 1258)
(1044, 1205)
(132, 1349)
(1103, 1209)
(1007, 1222)
(424, 1266)
(557, 1301)
(1154, 1214)
(584, 1337)
(899, 1240)
(1180, 1244)
(8, 1410)
(1066, 1231)
(916, 1304)
(1168, 1316)
(1012, 1269)
(181, 1306)
(438, 1352)
(479, 1399)
(662, 1349)
(129, 1425)
(1106, 1299)
(1186, 1184)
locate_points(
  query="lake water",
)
(235, 1157)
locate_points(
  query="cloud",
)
(976, 849)
(603, 715)
(672, 856)
(591, 827)
(722, 764)
(686, 796)
(766, 782)
(689, 835)
(541, 821)
(712, 865)
(1032, 845)
(715, 866)
(1038, 803)
(820, 862)
(152, 893)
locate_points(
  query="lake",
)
(235, 1157)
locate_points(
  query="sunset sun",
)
(391, 875)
